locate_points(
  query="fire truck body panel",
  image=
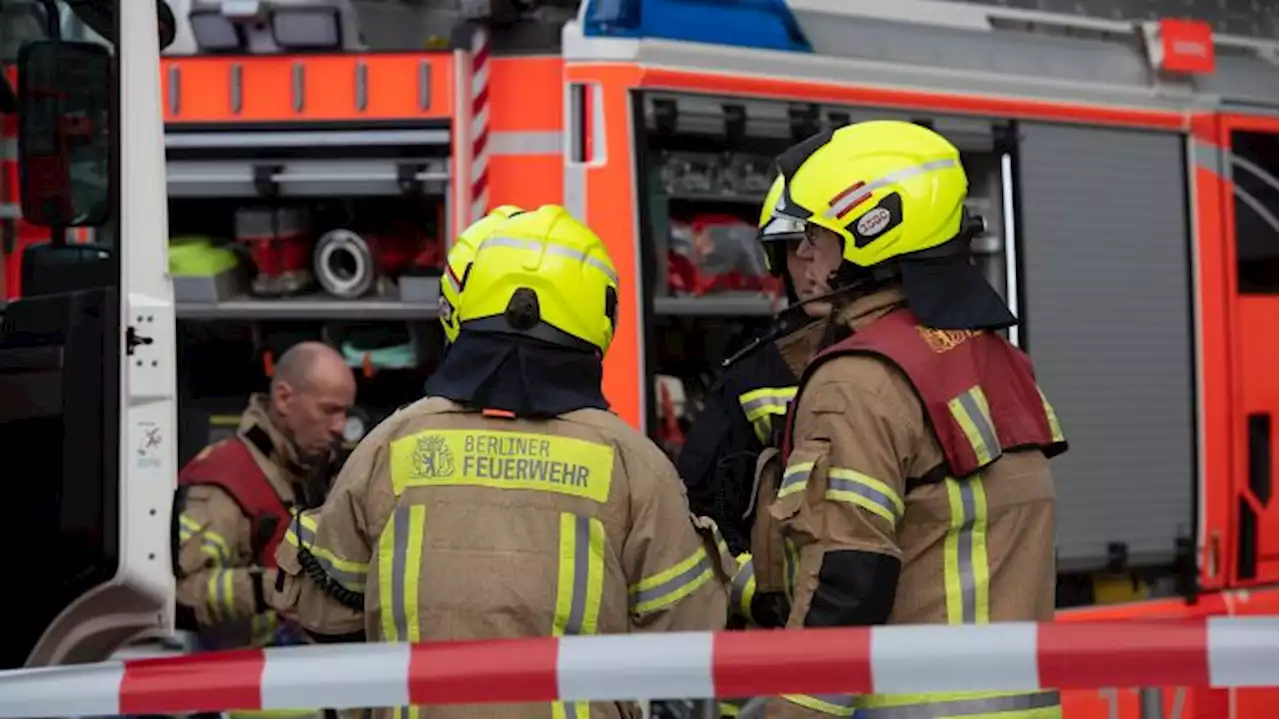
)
(1102, 185)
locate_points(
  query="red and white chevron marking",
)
(9, 208)
(479, 123)
(1219, 652)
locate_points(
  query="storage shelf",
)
(727, 197)
(306, 308)
(305, 178)
(730, 304)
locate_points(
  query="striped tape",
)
(479, 123)
(1218, 652)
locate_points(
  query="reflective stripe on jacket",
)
(874, 533)
(463, 526)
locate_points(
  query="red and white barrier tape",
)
(1219, 652)
(479, 123)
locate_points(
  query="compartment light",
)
(312, 28)
(215, 32)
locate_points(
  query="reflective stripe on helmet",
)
(552, 249)
(847, 200)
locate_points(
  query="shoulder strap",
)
(230, 466)
(885, 329)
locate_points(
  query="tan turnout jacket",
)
(455, 525)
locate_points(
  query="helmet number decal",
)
(874, 222)
(877, 221)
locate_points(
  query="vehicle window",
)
(1253, 173)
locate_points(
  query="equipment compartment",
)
(705, 165)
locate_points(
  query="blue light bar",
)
(765, 24)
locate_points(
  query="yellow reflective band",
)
(790, 567)
(840, 705)
(671, 585)
(794, 478)
(400, 572)
(869, 493)
(971, 412)
(966, 569)
(743, 589)
(348, 573)
(1055, 429)
(502, 460)
(212, 544)
(221, 599)
(399, 576)
(579, 588)
(262, 628)
(566, 711)
(581, 578)
(952, 705)
(761, 405)
(762, 428)
(731, 707)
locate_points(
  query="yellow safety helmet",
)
(543, 274)
(887, 188)
(776, 230)
(458, 263)
(894, 193)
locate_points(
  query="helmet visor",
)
(781, 228)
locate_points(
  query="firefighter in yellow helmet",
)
(731, 448)
(510, 502)
(735, 435)
(916, 486)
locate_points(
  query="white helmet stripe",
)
(841, 205)
(551, 248)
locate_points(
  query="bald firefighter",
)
(510, 502)
(236, 498)
(917, 486)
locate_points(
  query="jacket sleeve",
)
(675, 563)
(213, 579)
(840, 503)
(324, 558)
(720, 445)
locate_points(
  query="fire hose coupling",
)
(345, 264)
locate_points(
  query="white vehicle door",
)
(86, 353)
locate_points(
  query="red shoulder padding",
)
(978, 391)
(229, 466)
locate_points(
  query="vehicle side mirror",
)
(166, 24)
(64, 133)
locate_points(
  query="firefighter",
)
(725, 456)
(731, 450)
(510, 502)
(235, 498)
(917, 486)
